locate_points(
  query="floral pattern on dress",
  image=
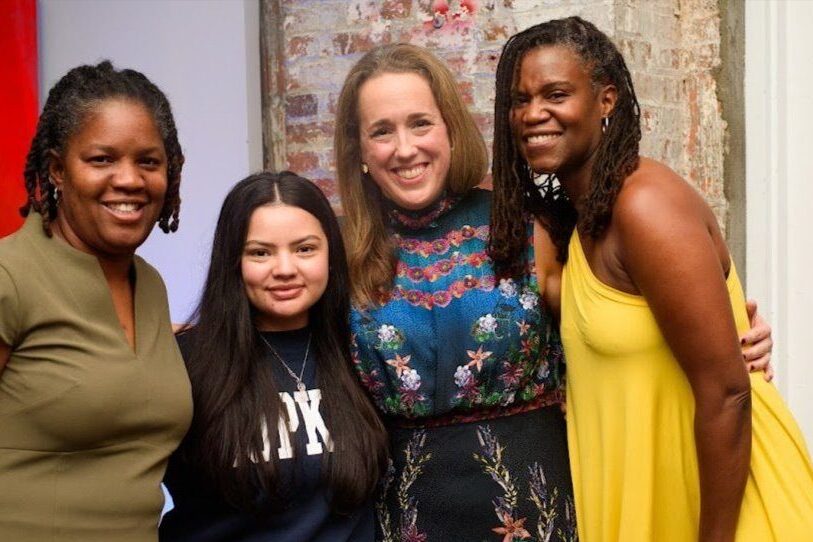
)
(441, 298)
(437, 247)
(510, 526)
(451, 336)
(388, 340)
(441, 268)
(408, 525)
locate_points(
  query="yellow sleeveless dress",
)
(630, 427)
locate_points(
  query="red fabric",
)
(18, 103)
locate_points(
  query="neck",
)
(576, 182)
(116, 268)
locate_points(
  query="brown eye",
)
(519, 100)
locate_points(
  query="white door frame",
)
(779, 187)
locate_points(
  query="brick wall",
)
(672, 47)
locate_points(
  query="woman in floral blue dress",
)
(464, 364)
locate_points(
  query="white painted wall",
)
(779, 180)
(205, 55)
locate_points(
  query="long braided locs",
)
(517, 190)
(69, 102)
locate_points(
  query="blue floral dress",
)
(467, 369)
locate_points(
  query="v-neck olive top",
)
(86, 423)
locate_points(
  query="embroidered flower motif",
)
(544, 369)
(390, 337)
(487, 324)
(528, 299)
(411, 534)
(508, 398)
(441, 298)
(507, 288)
(400, 364)
(463, 376)
(512, 529)
(511, 375)
(523, 327)
(387, 333)
(477, 358)
(370, 381)
(410, 379)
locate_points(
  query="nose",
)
(535, 112)
(405, 145)
(284, 265)
(128, 176)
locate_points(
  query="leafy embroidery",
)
(511, 527)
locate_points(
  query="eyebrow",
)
(109, 149)
(562, 83)
(410, 117)
(294, 242)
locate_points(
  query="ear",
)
(608, 95)
(56, 168)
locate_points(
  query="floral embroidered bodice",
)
(453, 338)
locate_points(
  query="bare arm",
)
(668, 250)
(548, 269)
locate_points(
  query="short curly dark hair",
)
(69, 101)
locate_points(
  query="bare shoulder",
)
(655, 196)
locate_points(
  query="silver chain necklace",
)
(298, 379)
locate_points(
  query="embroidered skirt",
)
(500, 479)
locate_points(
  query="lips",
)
(127, 211)
(410, 173)
(283, 293)
(541, 140)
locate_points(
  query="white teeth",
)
(536, 139)
(123, 207)
(410, 173)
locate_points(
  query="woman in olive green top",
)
(93, 392)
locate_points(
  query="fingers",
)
(751, 309)
(769, 372)
(755, 351)
(760, 331)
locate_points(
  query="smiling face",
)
(112, 177)
(284, 265)
(556, 112)
(404, 140)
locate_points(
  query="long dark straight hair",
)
(234, 393)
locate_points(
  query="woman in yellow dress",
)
(669, 438)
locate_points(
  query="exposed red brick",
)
(310, 132)
(302, 162)
(466, 92)
(329, 188)
(298, 46)
(396, 9)
(305, 105)
(341, 43)
(496, 32)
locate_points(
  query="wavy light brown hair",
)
(616, 157)
(370, 252)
